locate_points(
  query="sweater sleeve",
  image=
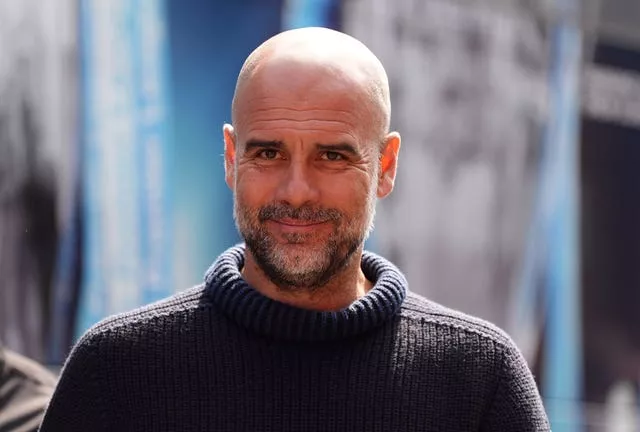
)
(516, 405)
(78, 402)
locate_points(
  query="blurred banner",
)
(611, 233)
(38, 166)
(557, 225)
(311, 13)
(126, 153)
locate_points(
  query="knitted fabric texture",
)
(223, 357)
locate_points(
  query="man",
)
(25, 389)
(299, 329)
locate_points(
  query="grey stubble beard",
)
(308, 270)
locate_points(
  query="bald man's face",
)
(305, 170)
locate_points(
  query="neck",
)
(229, 291)
(344, 288)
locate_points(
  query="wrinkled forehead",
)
(300, 90)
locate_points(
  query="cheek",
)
(349, 194)
(254, 189)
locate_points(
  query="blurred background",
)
(518, 193)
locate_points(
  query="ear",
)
(388, 164)
(229, 155)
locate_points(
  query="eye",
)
(267, 154)
(332, 156)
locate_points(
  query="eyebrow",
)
(260, 144)
(343, 147)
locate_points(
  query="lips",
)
(297, 222)
(296, 226)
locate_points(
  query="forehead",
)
(303, 99)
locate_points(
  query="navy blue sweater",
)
(222, 357)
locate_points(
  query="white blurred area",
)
(38, 90)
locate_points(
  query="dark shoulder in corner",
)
(179, 303)
(417, 307)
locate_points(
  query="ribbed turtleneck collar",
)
(265, 316)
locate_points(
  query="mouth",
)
(298, 222)
(296, 226)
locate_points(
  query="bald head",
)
(317, 59)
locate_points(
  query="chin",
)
(300, 243)
(300, 254)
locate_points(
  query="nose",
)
(298, 186)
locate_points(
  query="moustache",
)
(304, 213)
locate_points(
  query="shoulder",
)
(462, 339)
(448, 321)
(115, 353)
(171, 312)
